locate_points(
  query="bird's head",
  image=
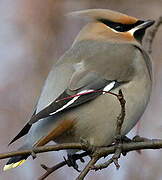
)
(111, 25)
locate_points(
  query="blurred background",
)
(33, 35)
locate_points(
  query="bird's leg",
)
(72, 158)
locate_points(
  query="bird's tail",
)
(15, 162)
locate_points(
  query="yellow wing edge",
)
(13, 165)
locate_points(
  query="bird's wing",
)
(91, 87)
(86, 82)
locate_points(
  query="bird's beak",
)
(146, 24)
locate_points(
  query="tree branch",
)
(42, 149)
(51, 170)
(59, 165)
(99, 152)
(103, 151)
(87, 168)
(118, 138)
(151, 34)
(119, 147)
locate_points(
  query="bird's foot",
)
(71, 161)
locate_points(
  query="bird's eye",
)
(119, 28)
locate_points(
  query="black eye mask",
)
(119, 26)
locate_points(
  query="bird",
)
(107, 55)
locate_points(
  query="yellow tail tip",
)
(13, 165)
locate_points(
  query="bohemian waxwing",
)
(106, 55)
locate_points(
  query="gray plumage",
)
(99, 56)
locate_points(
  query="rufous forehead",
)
(126, 20)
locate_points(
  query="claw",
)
(71, 162)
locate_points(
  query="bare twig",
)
(152, 33)
(118, 150)
(42, 149)
(114, 159)
(118, 138)
(87, 168)
(100, 152)
(59, 165)
(140, 139)
(51, 170)
(120, 118)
